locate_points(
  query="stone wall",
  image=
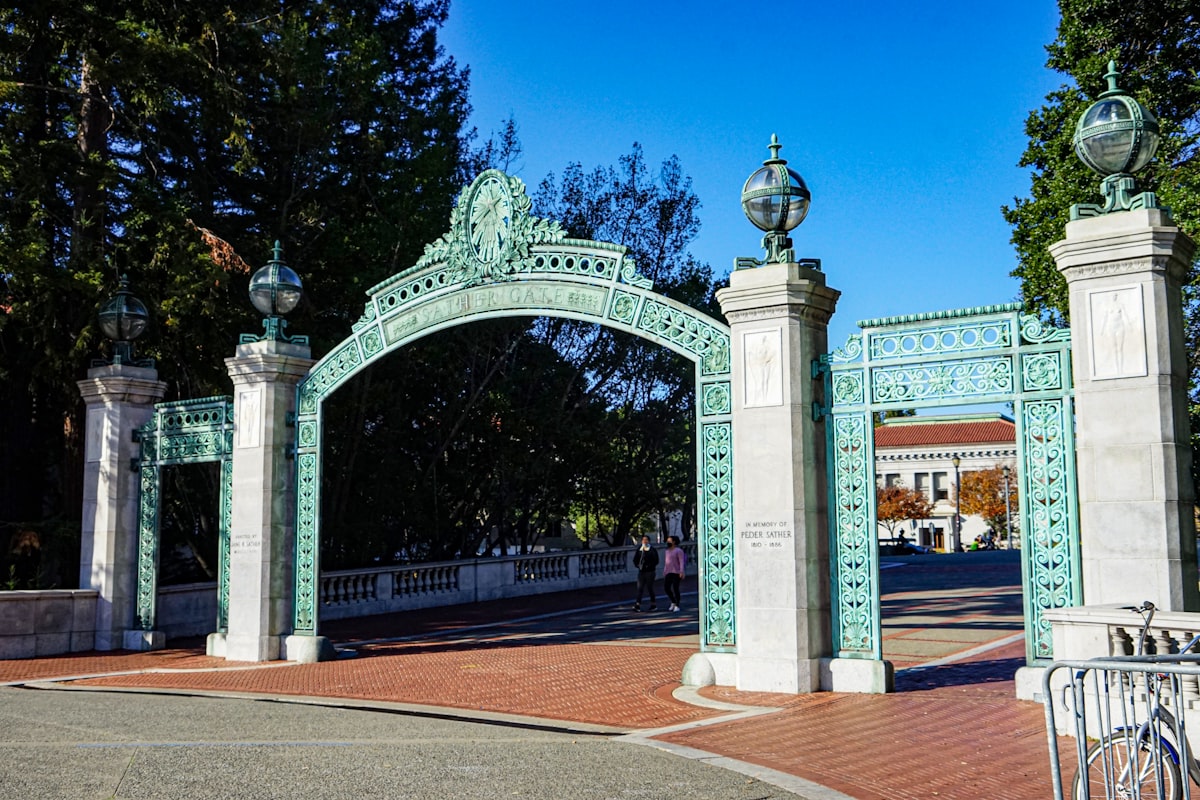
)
(47, 622)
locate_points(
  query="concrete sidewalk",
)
(586, 663)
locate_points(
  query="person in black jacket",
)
(646, 561)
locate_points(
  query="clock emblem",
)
(489, 219)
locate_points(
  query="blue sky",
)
(905, 119)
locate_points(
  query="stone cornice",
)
(121, 384)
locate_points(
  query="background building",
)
(919, 452)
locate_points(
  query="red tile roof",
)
(915, 435)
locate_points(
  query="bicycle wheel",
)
(1113, 775)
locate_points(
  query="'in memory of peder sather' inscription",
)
(766, 534)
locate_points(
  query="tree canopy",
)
(174, 142)
(1156, 47)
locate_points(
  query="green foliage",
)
(1156, 46)
(175, 143)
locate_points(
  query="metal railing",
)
(1128, 717)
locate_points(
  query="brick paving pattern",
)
(952, 731)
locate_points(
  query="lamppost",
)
(124, 318)
(776, 199)
(1116, 137)
(1007, 511)
(275, 290)
(957, 503)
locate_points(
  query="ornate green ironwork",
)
(495, 261)
(185, 432)
(990, 354)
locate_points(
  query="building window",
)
(941, 486)
(921, 483)
(892, 479)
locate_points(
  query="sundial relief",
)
(1117, 331)
(762, 354)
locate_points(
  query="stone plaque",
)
(1117, 329)
(249, 412)
(97, 420)
(762, 355)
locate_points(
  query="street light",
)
(776, 200)
(957, 503)
(124, 318)
(1116, 137)
(1007, 510)
(275, 290)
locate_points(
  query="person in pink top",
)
(674, 562)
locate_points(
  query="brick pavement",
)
(952, 731)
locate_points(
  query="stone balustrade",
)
(56, 621)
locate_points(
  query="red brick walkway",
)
(952, 732)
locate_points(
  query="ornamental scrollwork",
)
(852, 350)
(1041, 372)
(491, 232)
(958, 379)
(1035, 330)
(305, 611)
(630, 274)
(717, 545)
(716, 399)
(854, 543)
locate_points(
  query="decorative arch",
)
(499, 261)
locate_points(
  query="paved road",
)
(82, 745)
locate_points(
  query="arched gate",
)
(498, 261)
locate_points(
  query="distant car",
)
(896, 547)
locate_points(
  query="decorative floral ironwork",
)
(716, 399)
(1038, 331)
(306, 544)
(962, 337)
(1050, 545)
(855, 572)
(848, 387)
(630, 274)
(717, 628)
(689, 331)
(1041, 372)
(184, 432)
(958, 379)
(491, 232)
(624, 306)
(961, 373)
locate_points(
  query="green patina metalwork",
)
(185, 432)
(990, 354)
(498, 261)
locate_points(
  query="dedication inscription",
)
(766, 535)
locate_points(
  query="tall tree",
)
(897, 504)
(162, 139)
(1156, 46)
(982, 493)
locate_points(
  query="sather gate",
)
(992, 354)
(498, 261)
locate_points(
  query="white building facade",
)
(919, 452)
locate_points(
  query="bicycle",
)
(1143, 760)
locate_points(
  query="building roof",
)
(967, 429)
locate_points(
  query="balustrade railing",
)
(425, 579)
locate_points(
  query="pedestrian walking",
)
(646, 561)
(674, 564)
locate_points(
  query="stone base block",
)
(786, 675)
(1029, 683)
(252, 648)
(145, 640)
(857, 675)
(308, 649)
(710, 669)
(214, 645)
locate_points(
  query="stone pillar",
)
(119, 400)
(261, 538)
(778, 315)
(1138, 538)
